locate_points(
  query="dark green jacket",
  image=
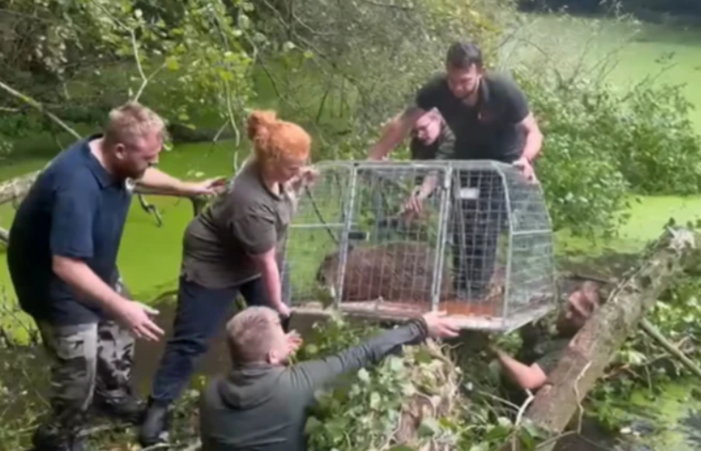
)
(264, 408)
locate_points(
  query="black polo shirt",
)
(75, 209)
(486, 131)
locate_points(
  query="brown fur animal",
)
(394, 272)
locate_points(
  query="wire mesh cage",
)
(479, 246)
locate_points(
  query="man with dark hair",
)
(489, 117)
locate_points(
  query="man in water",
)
(539, 356)
(489, 116)
(62, 259)
(262, 403)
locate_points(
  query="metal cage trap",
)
(480, 247)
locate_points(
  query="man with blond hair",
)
(262, 403)
(62, 259)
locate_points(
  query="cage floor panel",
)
(468, 316)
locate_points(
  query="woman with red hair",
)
(232, 248)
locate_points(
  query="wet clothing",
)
(218, 266)
(74, 209)
(200, 313)
(487, 131)
(264, 408)
(91, 362)
(248, 220)
(552, 352)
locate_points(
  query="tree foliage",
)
(602, 143)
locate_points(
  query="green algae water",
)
(149, 258)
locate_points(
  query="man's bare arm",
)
(395, 131)
(527, 377)
(534, 137)
(77, 274)
(155, 181)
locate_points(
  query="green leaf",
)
(172, 63)
(375, 400)
(363, 375)
(429, 427)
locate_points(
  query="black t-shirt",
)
(488, 130)
(75, 209)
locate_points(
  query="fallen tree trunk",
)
(591, 350)
(17, 188)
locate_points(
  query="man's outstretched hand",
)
(294, 341)
(207, 187)
(440, 325)
(138, 318)
(526, 168)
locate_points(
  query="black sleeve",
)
(446, 144)
(310, 376)
(429, 95)
(515, 102)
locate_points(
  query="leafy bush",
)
(657, 148)
(579, 172)
(601, 143)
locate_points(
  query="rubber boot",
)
(154, 429)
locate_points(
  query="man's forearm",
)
(394, 133)
(534, 143)
(80, 277)
(526, 377)
(428, 186)
(155, 181)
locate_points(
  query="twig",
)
(578, 398)
(151, 209)
(523, 408)
(496, 398)
(655, 334)
(519, 417)
(40, 108)
(317, 211)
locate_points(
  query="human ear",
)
(120, 151)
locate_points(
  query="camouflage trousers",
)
(90, 362)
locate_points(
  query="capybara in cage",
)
(393, 272)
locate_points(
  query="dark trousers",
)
(476, 226)
(200, 312)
